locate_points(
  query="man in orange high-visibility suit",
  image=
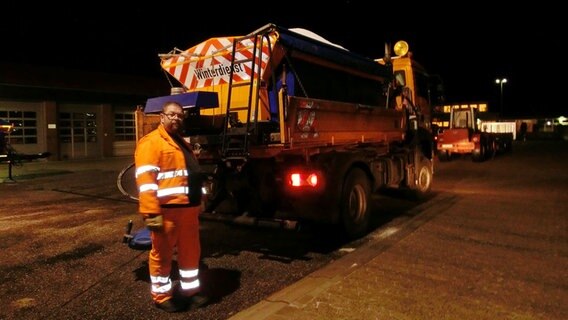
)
(169, 184)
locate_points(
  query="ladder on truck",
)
(237, 135)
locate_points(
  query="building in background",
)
(72, 114)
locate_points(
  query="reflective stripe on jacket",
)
(161, 173)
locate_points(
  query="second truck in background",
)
(468, 135)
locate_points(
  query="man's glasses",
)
(172, 116)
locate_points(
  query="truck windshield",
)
(461, 119)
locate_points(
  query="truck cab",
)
(414, 86)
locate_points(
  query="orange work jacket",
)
(161, 172)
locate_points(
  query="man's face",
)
(172, 118)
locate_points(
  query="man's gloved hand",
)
(154, 222)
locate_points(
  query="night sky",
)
(468, 49)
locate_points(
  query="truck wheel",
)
(494, 150)
(216, 195)
(479, 155)
(355, 204)
(424, 178)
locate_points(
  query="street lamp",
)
(500, 82)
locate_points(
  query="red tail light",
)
(295, 179)
(304, 179)
(313, 180)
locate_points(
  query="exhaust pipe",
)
(252, 221)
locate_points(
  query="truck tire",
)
(217, 195)
(424, 178)
(479, 155)
(355, 204)
(494, 149)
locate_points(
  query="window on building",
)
(124, 126)
(77, 127)
(25, 126)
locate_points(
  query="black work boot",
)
(171, 306)
(198, 300)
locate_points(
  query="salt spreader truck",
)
(292, 127)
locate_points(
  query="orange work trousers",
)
(180, 235)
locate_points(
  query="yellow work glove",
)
(154, 222)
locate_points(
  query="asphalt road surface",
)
(62, 258)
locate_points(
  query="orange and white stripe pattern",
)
(209, 63)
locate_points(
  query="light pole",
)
(500, 82)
